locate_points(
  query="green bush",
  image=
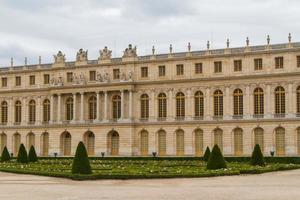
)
(257, 157)
(81, 163)
(22, 155)
(206, 154)
(32, 157)
(5, 155)
(216, 159)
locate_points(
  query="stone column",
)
(289, 101)
(11, 111)
(247, 105)
(130, 105)
(59, 118)
(24, 111)
(74, 107)
(189, 105)
(51, 109)
(207, 105)
(39, 111)
(268, 102)
(227, 104)
(82, 107)
(170, 106)
(152, 105)
(98, 107)
(122, 105)
(105, 117)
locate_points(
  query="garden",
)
(83, 168)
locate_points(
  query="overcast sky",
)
(32, 28)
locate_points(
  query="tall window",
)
(18, 111)
(46, 78)
(279, 62)
(218, 66)
(218, 138)
(280, 141)
(69, 77)
(258, 64)
(46, 110)
(69, 109)
(31, 110)
(199, 104)
(92, 107)
(298, 61)
(237, 65)
(238, 142)
(238, 102)
(116, 107)
(180, 105)
(259, 138)
(32, 80)
(179, 142)
(162, 142)
(258, 101)
(144, 106)
(279, 100)
(218, 103)
(179, 70)
(116, 73)
(198, 142)
(144, 143)
(144, 72)
(4, 82)
(198, 68)
(18, 80)
(298, 140)
(298, 100)
(162, 106)
(92, 75)
(161, 70)
(4, 112)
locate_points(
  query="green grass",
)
(137, 169)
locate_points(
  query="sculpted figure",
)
(59, 57)
(130, 75)
(82, 78)
(81, 55)
(99, 77)
(122, 76)
(130, 52)
(105, 53)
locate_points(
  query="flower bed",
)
(128, 169)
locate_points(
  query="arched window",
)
(280, 141)
(198, 142)
(4, 112)
(30, 138)
(113, 143)
(238, 142)
(89, 142)
(3, 141)
(31, 112)
(258, 101)
(298, 100)
(279, 101)
(238, 102)
(65, 143)
(162, 143)
(16, 143)
(69, 109)
(259, 138)
(144, 143)
(92, 107)
(45, 144)
(179, 143)
(18, 112)
(218, 103)
(218, 138)
(199, 104)
(116, 106)
(162, 106)
(180, 105)
(46, 110)
(144, 106)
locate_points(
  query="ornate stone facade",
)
(172, 104)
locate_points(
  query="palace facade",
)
(172, 104)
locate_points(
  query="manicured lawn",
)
(133, 168)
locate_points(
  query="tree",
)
(32, 157)
(81, 163)
(257, 157)
(206, 154)
(5, 155)
(216, 159)
(22, 155)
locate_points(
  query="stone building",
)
(172, 104)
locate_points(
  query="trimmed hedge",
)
(216, 159)
(81, 163)
(257, 156)
(206, 154)
(22, 155)
(32, 157)
(5, 155)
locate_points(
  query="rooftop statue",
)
(81, 55)
(105, 54)
(59, 57)
(130, 52)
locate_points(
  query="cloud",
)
(35, 28)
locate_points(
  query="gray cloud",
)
(33, 27)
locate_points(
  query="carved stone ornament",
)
(59, 58)
(130, 52)
(105, 54)
(81, 55)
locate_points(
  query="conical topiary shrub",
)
(5, 155)
(81, 163)
(216, 159)
(32, 157)
(206, 154)
(22, 155)
(257, 157)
